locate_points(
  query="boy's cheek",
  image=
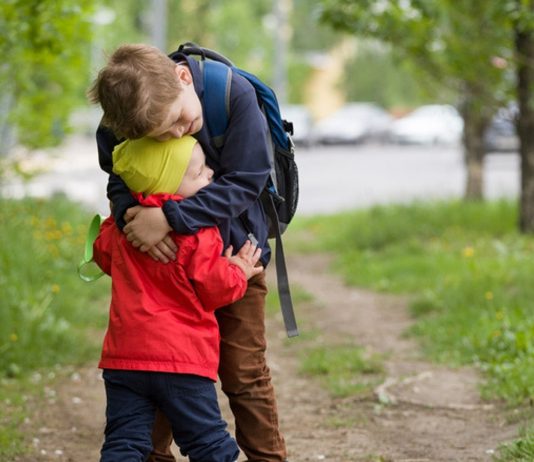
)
(198, 125)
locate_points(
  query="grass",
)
(48, 314)
(12, 414)
(344, 369)
(469, 272)
(520, 450)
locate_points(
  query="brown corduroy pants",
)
(245, 379)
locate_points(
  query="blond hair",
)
(135, 90)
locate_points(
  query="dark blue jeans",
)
(188, 401)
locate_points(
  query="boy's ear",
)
(184, 74)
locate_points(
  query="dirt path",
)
(435, 412)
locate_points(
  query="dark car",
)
(501, 135)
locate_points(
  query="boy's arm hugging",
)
(242, 168)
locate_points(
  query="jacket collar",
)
(156, 200)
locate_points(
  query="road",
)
(338, 178)
(331, 178)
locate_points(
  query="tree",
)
(451, 43)
(45, 49)
(226, 27)
(522, 16)
(374, 74)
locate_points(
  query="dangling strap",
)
(284, 293)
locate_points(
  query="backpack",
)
(280, 196)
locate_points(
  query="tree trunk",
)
(475, 124)
(524, 42)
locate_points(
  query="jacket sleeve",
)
(103, 244)
(244, 169)
(117, 191)
(216, 281)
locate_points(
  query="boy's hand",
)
(164, 251)
(147, 229)
(247, 258)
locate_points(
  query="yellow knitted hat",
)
(149, 166)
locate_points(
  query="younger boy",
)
(161, 348)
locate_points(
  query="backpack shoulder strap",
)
(216, 72)
(217, 80)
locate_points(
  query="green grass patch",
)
(520, 450)
(345, 369)
(46, 308)
(48, 316)
(13, 411)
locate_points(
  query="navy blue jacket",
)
(241, 168)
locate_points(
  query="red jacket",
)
(161, 315)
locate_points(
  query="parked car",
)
(429, 124)
(501, 135)
(353, 123)
(300, 117)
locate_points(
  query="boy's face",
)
(185, 113)
(197, 175)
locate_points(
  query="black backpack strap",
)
(284, 294)
(190, 48)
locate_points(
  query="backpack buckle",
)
(288, 127)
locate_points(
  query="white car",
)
(430, 124)
(353, 123)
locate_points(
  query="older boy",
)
(143, 92)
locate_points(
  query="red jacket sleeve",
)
(216, 281)
(102, 245)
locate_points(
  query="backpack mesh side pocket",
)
(288, 185)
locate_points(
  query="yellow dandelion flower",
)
(468, 252)
(53, 250)
(488, 295)
(55, 288)
(496, 333)
(499, 315)
(13, 337)
(66, 227)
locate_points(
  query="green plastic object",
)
(88, 270)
